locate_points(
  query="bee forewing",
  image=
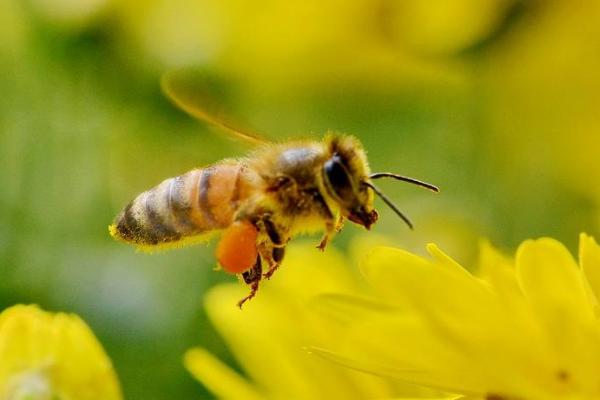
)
(189, 90)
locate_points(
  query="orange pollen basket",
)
(236, 251)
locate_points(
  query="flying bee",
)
(259, 202)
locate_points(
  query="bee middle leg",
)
(273, 255)
(277, 254)
(252, 278)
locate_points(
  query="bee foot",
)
(253, 291)
(321, 246)
(339, 225)
(271, 271)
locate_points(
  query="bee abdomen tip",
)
(112, 230)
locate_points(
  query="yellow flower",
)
(45, 356)
(300, 45)
(549, 96)
(269, 337)
(523, 329)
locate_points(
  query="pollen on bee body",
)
(236, 251)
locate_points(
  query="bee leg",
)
(330, 229)
(277, 255)
(268, 253)
(323, 243)
(252, 278)
(339, 224)
(273, 248)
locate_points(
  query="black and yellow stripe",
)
(185, 206)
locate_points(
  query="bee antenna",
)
(389, 203)
(414, 181)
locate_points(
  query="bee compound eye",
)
(337, 176)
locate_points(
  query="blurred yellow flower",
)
(549, 96)
(45, 356)
(522, 329)
(283, 46)
(442, 27)
(269, 337)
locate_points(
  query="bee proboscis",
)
(259, 202)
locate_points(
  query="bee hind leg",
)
(252, 278)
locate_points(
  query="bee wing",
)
(189, 90)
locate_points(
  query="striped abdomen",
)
(199, 201)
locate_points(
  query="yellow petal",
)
(370, 327)
(219, 378)
(361, 245)
(442, 354)
(499, 271)
(55, 351)
(405, 279)
(491, 260)
(364, 365)
(552, 281)
(555, 287)
(437, 398)
(447, 261)
(589, 258)
(346, 309)
(266, 330)
(464, 323)
(272, 330)
(306, 272)
(373, 365)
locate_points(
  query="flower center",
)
(30, 385)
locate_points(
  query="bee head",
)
(344, 174)
(348, 181)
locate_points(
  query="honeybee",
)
(258, 202)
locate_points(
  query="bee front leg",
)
(330, 230)
(252, 278)
(339, 224)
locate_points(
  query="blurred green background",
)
(495, 101)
